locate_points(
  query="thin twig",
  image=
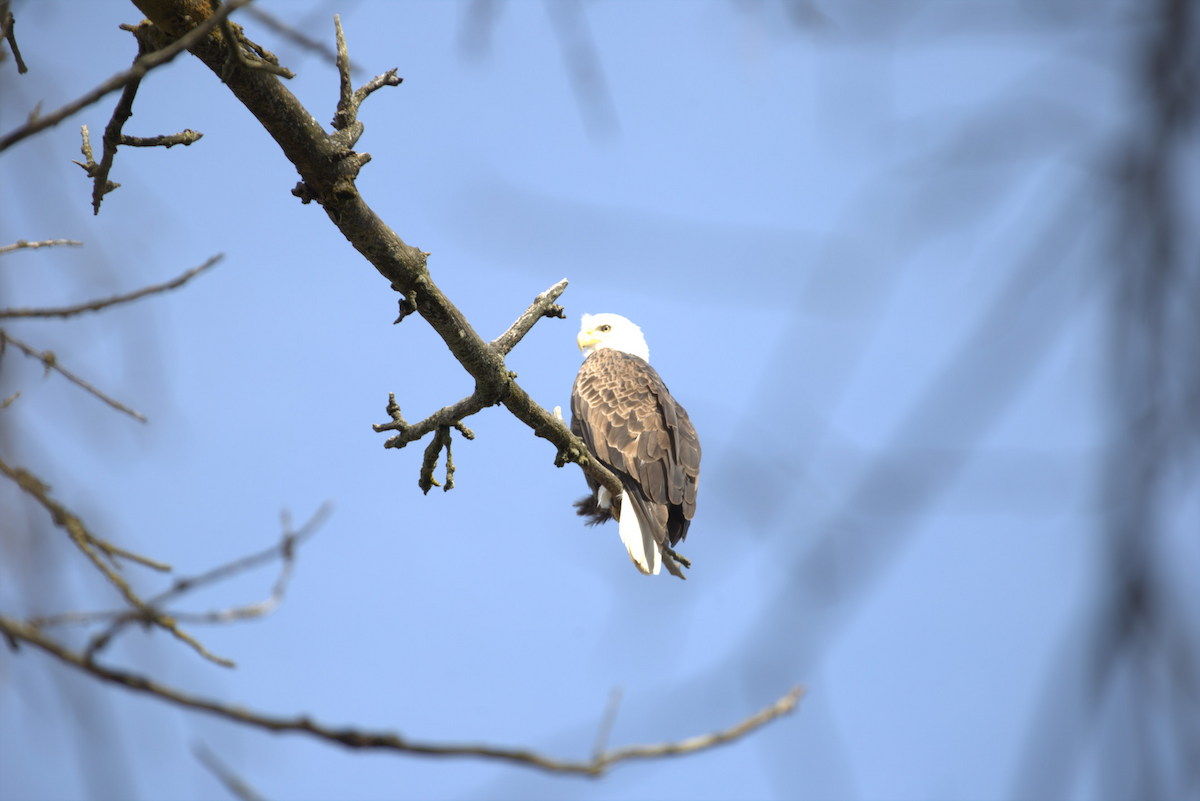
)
(50, 362)
(9, 23)
(112, 134)
(234, 39)
(96, 305)
(92, 168)
(388, 741)
(606, 722)
(185, 137)
(298, 36)
(233, 783)
(22, 244)
(283, 550)
(345, 107)
(140, 68)
(90, 544)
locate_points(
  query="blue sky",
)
(829, 233)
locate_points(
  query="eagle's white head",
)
(611, 331)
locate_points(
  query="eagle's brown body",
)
(624, 413)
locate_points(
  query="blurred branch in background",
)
(1128, 690)
(50, 361)
(235, 784)
(103, 303)
(581, 62)
(1119, 715)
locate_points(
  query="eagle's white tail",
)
(643, 550)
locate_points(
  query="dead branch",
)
(50, 361)
(18, 632)
(96, 305)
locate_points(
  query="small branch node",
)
(305, 194)
(408, 305)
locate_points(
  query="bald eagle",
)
(625, 415)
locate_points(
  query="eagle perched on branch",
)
(625, 415)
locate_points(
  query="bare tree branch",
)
(50, 362)
(22, 244)
(140, 67)
(96, 305)
(18, 632)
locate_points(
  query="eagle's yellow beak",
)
(586, 337)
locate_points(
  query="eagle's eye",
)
(604, 329)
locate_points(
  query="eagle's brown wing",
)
(628, 419)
